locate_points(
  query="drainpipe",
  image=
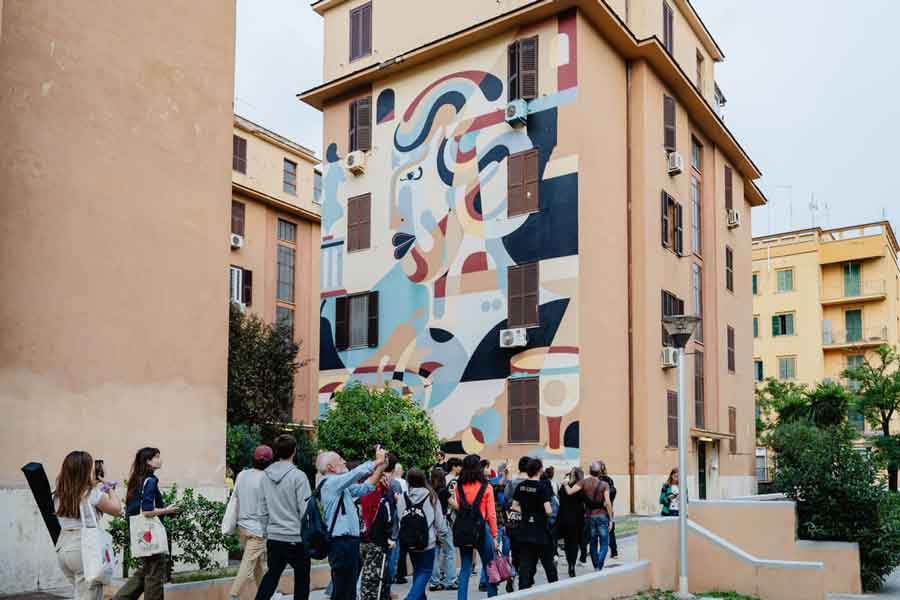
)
(631, 503)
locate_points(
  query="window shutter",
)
(776, 329)
(531, 417)
(672, 412)
(789, 324)
(669, 123)
(699, 404)
(364, 123)
(679, 230)
(237, 217)
(516, 288)
(515, 184)
(247, 293)
(512, 76)
(353, 138)
(530, 294)
(373, 320)
(732, 429)
(355, 34)
(528, 68)
(364, 221)
(513, 410)
(234, 152)
(664, 312)
(365, 45)
(729, 189)
(342, 323)
(532, 202)
(664, 212)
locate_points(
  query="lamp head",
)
(680, 328)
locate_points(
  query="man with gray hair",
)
(598, 511)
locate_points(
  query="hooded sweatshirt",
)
(437, 524)
(283, 501)
(249, 492)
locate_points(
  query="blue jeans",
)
(486, 553)
(445, 563)
(423, 565)
(599, 540)
(393, 559)
(343, 557)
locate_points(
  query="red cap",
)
(263, 454)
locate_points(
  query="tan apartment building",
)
(514, 194)
(113, 232)
(274, 240)
(823, 300)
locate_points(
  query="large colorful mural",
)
(442, 243)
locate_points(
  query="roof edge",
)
(249, 126)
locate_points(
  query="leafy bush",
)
(240, 441)
(363, 417)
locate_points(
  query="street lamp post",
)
(680, 329)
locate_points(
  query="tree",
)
(262, 361)
(827, 405)
(878, 399)
(778, 401)
(363, 417)
(785, 402)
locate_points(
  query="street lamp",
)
(680, 329)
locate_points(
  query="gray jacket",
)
(249, 492)
(285, 494)
(437, 524)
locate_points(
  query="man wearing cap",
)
(248, 491)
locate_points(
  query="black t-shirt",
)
(531, 496)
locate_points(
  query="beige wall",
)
(114, 220)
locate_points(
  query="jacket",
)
(437, 523)
(249, 491)
(283, 501)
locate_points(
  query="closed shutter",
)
(355, 33)
(776, 326)
(729, 189)
(672, 420)
(699, 403)
(530, 294)
(669, 123)
(365, 45)
(523, 410)
(237, 217)
(342, 323)
(512, 77)
(353, 140)
(373, 320)
(531, 200)
(679, 230)
(359, 222)
(515, 291)
(247, 292)
(239, 154)
(364, 124)
(731, 355)
(515, 186)
(528, 68)
(732, 429)
(664, 215)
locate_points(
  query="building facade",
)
(275, 241)
(514, 195)
(114, 243)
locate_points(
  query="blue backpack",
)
(316, 537)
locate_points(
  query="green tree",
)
(828, 404)
(240, 442)
(878, 400)
(778, 400)
(363, 417)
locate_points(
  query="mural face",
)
(441, 245)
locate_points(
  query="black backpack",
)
(468, 529)
(414, 525)
(316, 538)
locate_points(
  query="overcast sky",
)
(813, 90)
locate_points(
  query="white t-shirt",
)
(88, 504)
(673, 503)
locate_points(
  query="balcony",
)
(862, 337)
(855, 292)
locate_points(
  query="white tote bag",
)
(98, 558)
(148, 535)
(229, 521)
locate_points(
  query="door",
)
(701, 470)
(852, 281)
(853, 325)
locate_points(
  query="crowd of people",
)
(461, 513)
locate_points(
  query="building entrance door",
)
(701, 470)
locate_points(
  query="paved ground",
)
(891, 589)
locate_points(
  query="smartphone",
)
(99, 472)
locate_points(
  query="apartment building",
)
(275, 238)
(514, 194)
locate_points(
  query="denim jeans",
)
(423, 565)
(486, 553)
(279, 556)
(343, 557)
(393, 559)
(599, 540)
(445, 562)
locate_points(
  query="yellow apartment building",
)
(514, 194)
(274, 240)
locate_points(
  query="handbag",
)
(98, 558)
(499, 570)
(148, 535)
(229, 521)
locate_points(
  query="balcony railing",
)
(855, 289)
(862, 336)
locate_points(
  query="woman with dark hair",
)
(144, 497)
(472, 482)
(422, 524)
(668, 495)
(570, 520)
(532, 500)
(79, 499)
(444, 575)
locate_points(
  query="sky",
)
(813, 89)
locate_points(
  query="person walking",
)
(444, 574)
(532, 500)
(513, 520)
(613, 546)
(248, 493)
(339, 490)
(598, 512)
(571, 518)
(80, 497)
(668, 495)
(378, 535)
(143, 496)
(399, 555)
(422, 525)
(475, 529)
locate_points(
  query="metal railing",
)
(855, 289)
(860, 335)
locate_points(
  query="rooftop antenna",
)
(790, 191)
(827, 213)
(813, 208)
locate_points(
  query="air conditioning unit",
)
(517, 113)
(734, 219)
(356, 162)
(669, 358)
(237, 241)
(675, 163)
(513, 338)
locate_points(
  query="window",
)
(762, 466)
(729, 189)
(317, 187)
(522, 76)
(356, 321)
(696, 217)
(758, 373)
(699, 71)
(696, 155)
(522, 183)
(237, 217)
(729, 334)
(853, 325)
(787, 368)
(732, 430)
(852, 279)
(697, 292)
(361, 31)
(699, 402)
(672, 224)
(241, 286)
(671, 305)
(524, 424)
(289, 181)
(672, 418)
(783, 325)
(287, 231)
(786, 280)
(755, 326)
(285, 287)
(755, 284)
(361, 124)
(284, 317)
(522, 300)
(668, 27)
(669, 123)
(239, 154)
(855, 360)
(359, 223)
(729, 269)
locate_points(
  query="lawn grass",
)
(192, 576)
(626, 526)
(662, 595)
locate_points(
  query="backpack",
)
(468, 529)
(316, 538)
(414, 525)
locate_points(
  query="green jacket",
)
(665, 499)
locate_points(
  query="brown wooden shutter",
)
(364, 123)
(512, 75)
(664, 214)
(365, 45)
(247, 292)
(531, 424)
(528, 68)
(530, 303)
(513, 410)
(355, 34)
(237, 217)
(351, 225)
(732, 429)
(523, 412)
(731, 353)
(239, 154)
(679, 230)
(352, 143)
(515, 184)
(364, 221)
(342, 322)
(531, 200)
(672, 418)
(729, 189)
(699, 402)
(669, 123)
(515, 292)
(372, 337)
(663, 313)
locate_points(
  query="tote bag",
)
(499, 570)
(148, 536)
(229, 521)
(98, 557)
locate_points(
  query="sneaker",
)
(435, 588)
(582, 559)
(571, 571)
(616, 555)
(482, 587)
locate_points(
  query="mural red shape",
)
(475, 262)
(476, 433)
(440, 287)
(474, 76)
(567, 74)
